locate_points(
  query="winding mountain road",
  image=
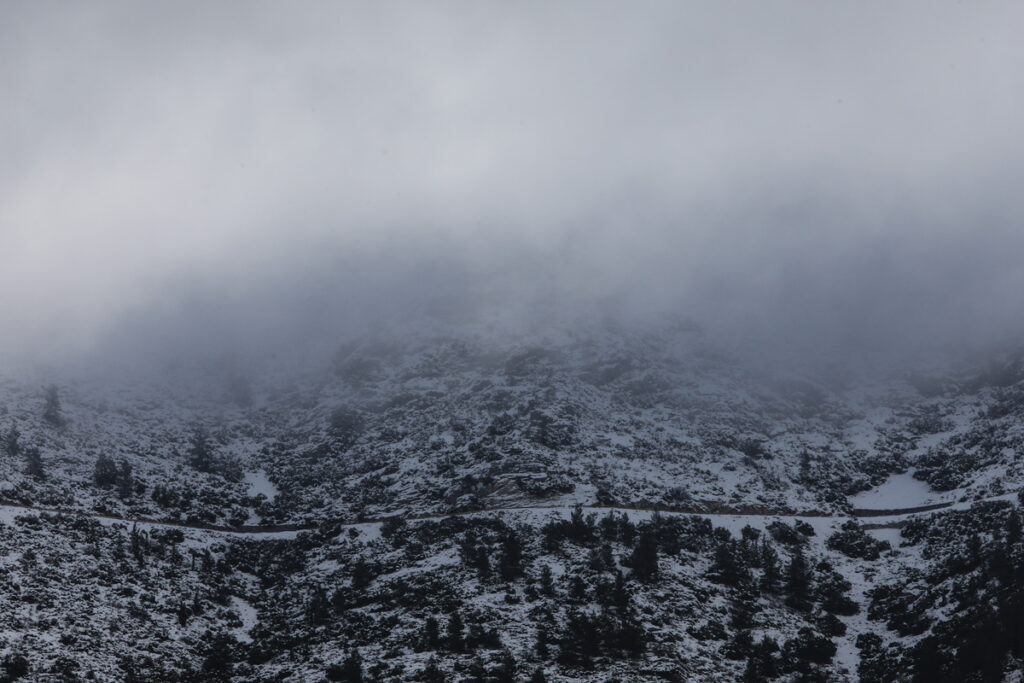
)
(704, 509)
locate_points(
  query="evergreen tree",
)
(52, 411)
(580, 641)
(218, 665)
(505, 672)
(125, 481)
(349, 671)
(362, 575)
(456, 638)
(200, 454)
(541, 645)
(105, 472)
(728, 567)
(798, 581)
(15, 666)
(431, 634)
(483, 564)
(538, 676)
(511, 566)
(12, 442)
(762, 665)
(644, 560)
(771, 575)
(319, 610)
(34, 464)
(432, 673)
(477, 672)
(547, 582)
(577, 589)
(1013, 528)
(620, 595)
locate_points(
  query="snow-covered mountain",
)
(594, 502)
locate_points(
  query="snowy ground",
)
(900, 491)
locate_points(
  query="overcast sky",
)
(848, 170)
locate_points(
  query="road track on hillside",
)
(703, 509)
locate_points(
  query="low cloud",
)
(841, 176)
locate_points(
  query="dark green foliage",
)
(15, 666)
(787, 535)
(805, 649)
(34, 464)
(362, 574)
(432, 673)
(200, 454)
(852, 541)
(762, 663)
(52, 413)
(455, 639)
(578, 530)
(547, 583)
(771, 577)
(105, 472)
(125, 481)
(728, 567)
(505, 671)
(346, 425)
(218, 663)
(319, 609)
(831, 588)
(431, 634)
(798, 581)
(349, 671)
(538, 676)
(542, 642)
(579, 643)
(644, 560)
(877, 664)
(511, 559)
(12, 442)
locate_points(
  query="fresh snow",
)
(900, 491)
(260, 485)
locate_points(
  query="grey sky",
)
(841, 168)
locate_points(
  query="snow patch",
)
(260, 485)
(247, 613)
(900, 491)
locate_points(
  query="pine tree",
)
(511, 566)
(483, 563)
(12, 442)
(218, 664)
(125, 481)
(798, 581)
(505, 672)
(104, 473)
(577, 589)
(319, 610)
(620, 595)
(1013, 528)
(200, 452)
(362, 576)
(541, 645)
(431, 673)
(352, 667)
(547, 582)
(431, 633)
(52, 411)
(456, 638)
(34, 464)
(771, 576)
(728, 567)
(644, 560)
